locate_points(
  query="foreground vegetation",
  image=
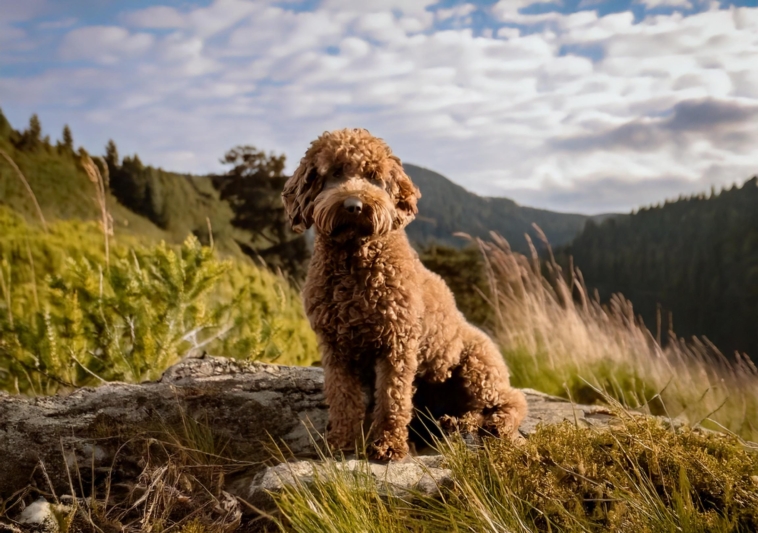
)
(71, 316)
(639, 476)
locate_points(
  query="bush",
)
(69, 317)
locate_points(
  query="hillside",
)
(446, 208)
(178, 205)
(697, 257)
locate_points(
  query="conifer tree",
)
(5, 127)
(68, 138)
(111, 155)
(31, 138)
(35, 128)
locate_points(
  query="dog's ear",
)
(406, 194)
(299, 193)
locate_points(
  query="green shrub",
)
(70, 318)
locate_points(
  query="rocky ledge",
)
(251, 408)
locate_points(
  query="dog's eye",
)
(337, 172)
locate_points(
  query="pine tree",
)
(68, 138)
(5, 126)
(31, 138)
(111, 155)
(35, 128)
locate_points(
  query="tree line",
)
(690, 265)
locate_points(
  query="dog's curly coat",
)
(382, 319)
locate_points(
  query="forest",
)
(690, 265)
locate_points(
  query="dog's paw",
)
(388, 448)
(501, 424)
(449, 424)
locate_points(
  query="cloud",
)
(726, 124)
(565, 111)
(66, 22)
(652, 4)
(11, 12)
(15, 40)
(613, 193)
(103, 44)
(708, 115)
(157, 17)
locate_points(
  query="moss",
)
(609, 480)
(197, 526)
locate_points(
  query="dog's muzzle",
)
(353, 205)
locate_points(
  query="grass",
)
(641, 475)
(559, 338)
(179, 486)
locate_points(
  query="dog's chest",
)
(361, 299)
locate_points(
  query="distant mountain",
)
(446, 208)
(696, 257)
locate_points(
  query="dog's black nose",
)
(353, 205)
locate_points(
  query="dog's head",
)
(350, 185)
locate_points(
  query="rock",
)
(247, 405)
(423, 475)
(43, 517)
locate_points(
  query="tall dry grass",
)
(558, 337)
(96, 178)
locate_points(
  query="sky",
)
(573, 105)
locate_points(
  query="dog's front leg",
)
(394, 406)
(347, 409)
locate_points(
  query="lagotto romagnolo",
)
(384, 322)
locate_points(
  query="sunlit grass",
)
(638, 475)
(558, 338)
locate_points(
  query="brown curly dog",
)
(383, 321)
